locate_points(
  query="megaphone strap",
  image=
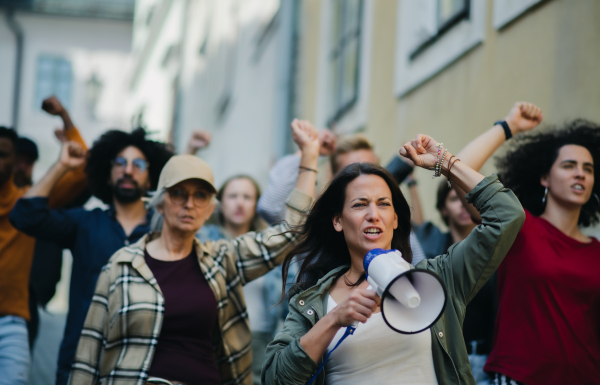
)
(349, 331)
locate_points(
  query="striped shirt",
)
(125, 318)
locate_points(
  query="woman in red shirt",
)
(547, 328)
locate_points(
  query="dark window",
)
(449, 14)
(344, 57)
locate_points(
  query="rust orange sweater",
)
(16, 248)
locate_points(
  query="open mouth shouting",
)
(372, 232)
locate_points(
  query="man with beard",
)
(120, 168)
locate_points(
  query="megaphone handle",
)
(354, 324)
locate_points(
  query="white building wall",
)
(92, 46)
(247, 138)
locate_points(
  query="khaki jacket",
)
(464, 269)
(125, 317)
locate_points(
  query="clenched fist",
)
(52, 106)
(523, 117)
(72, 155)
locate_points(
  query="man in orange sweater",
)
(16, 254)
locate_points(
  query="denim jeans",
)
(14, 351)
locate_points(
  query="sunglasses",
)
(139, 165)
(180, 197)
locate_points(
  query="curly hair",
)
(106, 148)
(532, 155)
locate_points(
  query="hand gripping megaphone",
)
(412, 300)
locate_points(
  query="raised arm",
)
(72, 156)
(200, 139)
(254, 254)
(72, 183)
(283, 177)
(522, 117)
(470, 263)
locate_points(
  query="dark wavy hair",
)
(532, 155)
(321, 248)
(106, 148)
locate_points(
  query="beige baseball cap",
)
(183, 167)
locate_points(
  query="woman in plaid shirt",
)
(169, 309)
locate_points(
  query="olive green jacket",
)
(464, 269)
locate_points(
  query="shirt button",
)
(310, 312)
(301, 303)
(127, 242)
(441, 334)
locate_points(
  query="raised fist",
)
(200, 139)
(52, 106)
(523, 117)
(306, 136)
(422, 151)
(72, 155)
(327, 141)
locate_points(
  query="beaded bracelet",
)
(441, 163)
(437, 161)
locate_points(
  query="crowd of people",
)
(179, 282)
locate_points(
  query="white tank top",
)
(375, 354)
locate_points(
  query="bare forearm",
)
(47, 183)
(318, 338)
(479, 150)
(307, 179)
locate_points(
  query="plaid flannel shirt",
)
(125, 318)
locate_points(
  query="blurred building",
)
(448, 68)
(220, 65)
(78, 50)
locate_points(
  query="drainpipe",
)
(16, 29)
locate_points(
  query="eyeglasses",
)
(180, 197)
(139, 165)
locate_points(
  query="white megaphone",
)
(412, 300)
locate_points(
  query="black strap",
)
(504, 125)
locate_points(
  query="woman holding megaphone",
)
(363, 209)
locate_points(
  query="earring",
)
(545, 195)
(597, 198)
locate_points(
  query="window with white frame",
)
(343, 57)
(54, 77)
(506, 11)
(431, 34)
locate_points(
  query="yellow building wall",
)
(550, 56)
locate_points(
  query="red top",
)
(548, 324)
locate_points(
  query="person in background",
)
(549, 293)
(16, 255)
(363, 209)
(120, 168)
(47, 258)
(170, 308)
(237, 215)
(27, 155)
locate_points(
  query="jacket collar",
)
(134, 255)
(313, 296)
